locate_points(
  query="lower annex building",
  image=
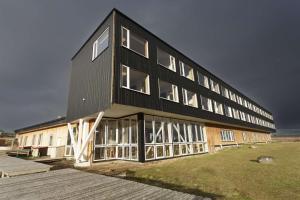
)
(134, 97)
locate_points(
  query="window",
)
(225, 92)
(227, 136)
(235, 113)
(135, 80)
(206, 104)
(232, 96)
(40, 139)
(100, 44)
(51, 140)
(168, 91)
(228, 111)
(186, 71)
(134, 42)
(243, 116)
(239, 100)
(166, 60)
(189, 98)
(25, 141)
(218, 108)
(203, 80)
(214, 86)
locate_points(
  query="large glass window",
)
(214, 86)
(135, 80)
(189, 98)
(206, 104)
(100, 44)
(172, 138)
(235, 113)
(232, 96)
(168, 91)
(228, 111)
(134, 42)
(218, 108)
(203, 80)
(227, 136)
(225, 92)
(166, 60)
(186, 70)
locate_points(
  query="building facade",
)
(134, 97)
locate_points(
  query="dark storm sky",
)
(252, 45)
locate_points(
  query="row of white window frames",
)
(139, 45)
(23, 141)
(139, 81)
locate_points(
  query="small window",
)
(232, 96)
(166, 60)
(100, 44)
(40, 139)
(218, 108)
(203, 80)
(228, 111)
(186, 71)
(225, 92)
(134, 42)
(235, 113)
(51, 140)
(206, 104)
(168, 91)
(243, 116)
(189, 98)
(214, 86)
(135, 80)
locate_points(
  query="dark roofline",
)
(54, 122)
(119, 12)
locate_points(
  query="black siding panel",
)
(91, 80)
(150, 66)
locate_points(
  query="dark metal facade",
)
(91, 79)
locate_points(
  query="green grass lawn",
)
(231, 174)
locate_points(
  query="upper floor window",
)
(189, 98)
(239, 100)
(186, 71)
(218, 108)
(228, 111)
(225, 92)
(135, 80)
(235, 113)
(168, 91)
(246, 103)
(206, 104)
(166, 60)
(203, 80)
(134, 42)
(100, 44)
(232, 96)
(214, 86)
(243, 116)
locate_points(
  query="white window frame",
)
(218, 108)
(182, 67)
(172, 60)
(174, 90)
(128, 43)
(147, 86)
(215, 87)
(95, 45)
(185, 97)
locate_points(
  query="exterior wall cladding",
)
(98, 82)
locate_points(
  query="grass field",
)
(231, 174)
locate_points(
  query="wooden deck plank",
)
(77, 185)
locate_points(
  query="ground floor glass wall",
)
(166, 137)
(116, 139)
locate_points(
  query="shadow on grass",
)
(130, 175)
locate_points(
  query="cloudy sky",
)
(252, 45)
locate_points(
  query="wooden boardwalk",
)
(78, 185)
(10, 166)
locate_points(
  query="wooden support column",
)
(141, 138)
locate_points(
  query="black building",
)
(155, 101)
